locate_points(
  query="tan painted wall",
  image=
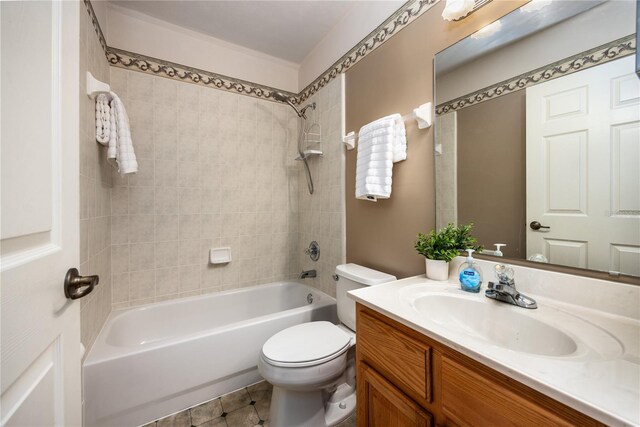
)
(491, 172)
(397, 77)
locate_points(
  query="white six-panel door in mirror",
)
(583, 180)
(40, 331)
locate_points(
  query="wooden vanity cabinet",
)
(407, 379)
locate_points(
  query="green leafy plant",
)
(446, 243)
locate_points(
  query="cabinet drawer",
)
(397, 356)
(470, 398)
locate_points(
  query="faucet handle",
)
(504, 273)
(313, 251)
(496, 286)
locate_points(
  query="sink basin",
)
(497, 324)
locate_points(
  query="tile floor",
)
(247, 407)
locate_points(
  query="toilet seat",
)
(307, 344)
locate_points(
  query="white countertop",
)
(601, 378)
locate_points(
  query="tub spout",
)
(307, 273)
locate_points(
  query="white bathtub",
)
(154, 360)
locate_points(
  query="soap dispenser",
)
(469, 274)
(498, 251)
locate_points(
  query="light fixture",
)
(456, 9)
(535, 5)
(487, 31)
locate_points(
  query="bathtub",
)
(154, 360)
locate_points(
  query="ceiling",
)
(285, 29)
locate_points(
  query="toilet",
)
(312, 365)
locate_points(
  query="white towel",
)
(380, 144)
(120, 152)
(103, 124)
(399, 142)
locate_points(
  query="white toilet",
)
(312, 365)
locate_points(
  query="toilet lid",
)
(306, 344)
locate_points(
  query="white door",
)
(40, 328)
(583, 178)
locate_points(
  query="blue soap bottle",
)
(469, 274)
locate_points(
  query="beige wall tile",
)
(141, 256)
(142, 285)
(167, 254)
(167, 281)
(189, 174)
(120, 288)
(216, 169)
(190, 227)
(166, 200)
(119, 201)
(190, 201)
(119, 229)
(189, 278)
(119, 259)
(166, 145)
(141, 200)
(167, 227)
(145, 175)
(95, 193)
(141, 228)
(189, 251)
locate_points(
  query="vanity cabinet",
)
(407, 379)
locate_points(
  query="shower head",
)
(283, 98)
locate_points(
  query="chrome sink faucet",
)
(505, 290)
(307, 273)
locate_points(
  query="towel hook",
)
(95, 87)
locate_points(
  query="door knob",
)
(535, 225)
(74, 282)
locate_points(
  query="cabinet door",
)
(471, 398)
(383, 405)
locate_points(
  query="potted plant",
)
(440, 247)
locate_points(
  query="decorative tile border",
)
(146, 64)
(130, 60)
(403, 17)
(96, 26)
(599, 55)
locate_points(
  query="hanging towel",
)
(103, 123)
(380, 144)
(112, 130)
(399, 142)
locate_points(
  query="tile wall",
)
(216, 169)
(95, 192)
(446, 170)
(322, 215)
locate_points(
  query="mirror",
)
(537, 135)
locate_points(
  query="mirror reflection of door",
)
(583, 179)
(538, 125)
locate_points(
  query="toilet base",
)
(311, 408)
(341, 405)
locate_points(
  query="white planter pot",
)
(437, 269)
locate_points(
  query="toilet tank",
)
(350, 277)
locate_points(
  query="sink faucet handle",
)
(500, 286)
(504, 274)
